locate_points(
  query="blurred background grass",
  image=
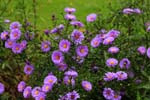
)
(46, 8)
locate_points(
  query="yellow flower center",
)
(65, 45)
(50, 80)
(82, 50)
(112, 62)
(45, 46)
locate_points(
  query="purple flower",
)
(141, 50)
(15, 25)
(124, 63)
(15, 34)
(116, 97)
(2, 88)
(108, 93)
(128, 11)
(50, 79)
(16, 48)
(148, 52)
(109, 76)
(70, 10)
(27, 92)
(111, 62)
(7, 21)
(87, 85)
(113, 50)
(70, 17)
(4, 35)
(82, 51)
(45, 46)
(54, 30)
(71, 73)
(121, 75)
(60, 27)
(23, 44)
(91, 17)
(73, 95)
(108, 40)
(21, 86)
(96, 42)
(77, 36)
(36, 91)
(62, 66)
(47, 87)
(137, 10)
(113, 33)
(41, 96)
(69, 80)
(9, 43)
(57, 57)
(77, 23)
(64, 45)
(28, 69)
(46, 31)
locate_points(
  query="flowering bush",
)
(96, 60)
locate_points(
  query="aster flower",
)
(111, 62)
(77, 23)
(128, 11)
(71, 73)
(113, 50)
(41, 96)
(54, 30)
(15, 25)
(70, 17)
(87, 85)
(64, 45)
(116, 97)
(4, 35)
(108, 40)
(73, 95)
(45, 46)
(70, 10)
(23, 44)
(21, 86)
(17, 48)
(47, 87)
(124, 63)
(91, 17)
(28, 69)
(148, 52)
(96, 42)
(108, 93)
(60, 27)
(9, 43)
(82, 51)
(141, 50)
(27, 92)
(69, 80)
(109, 76)
(113, 33)
(121, 75)
(57, 57)
(36, 91)
(77, 36)
(15, 34)
(62, 66)
(50, 79)
(2, 88)
(137, 10)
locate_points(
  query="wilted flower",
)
(45, 46)
(148, 52)
(109, 76)
(108, 40)
(70, 17)
(113, 50)
(29, 35)
(36, 91)
(4, 35)
(124, 63)
(64, 45)
(28, 69)
(15, 25)
(87, 85)
(82, 51)
(91, 17)
(111, 62)
(15, 34)
(47, 87)
(2, 88)
(70, 10)
(57, 57)
(108, 93)
(121, 75)
(96, 42)
(73, 95)
(16, 48)
(27, 92)
(77, 36)
(9, 43)
(21, 86)
(50, 79)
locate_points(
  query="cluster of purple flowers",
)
(120, 76)
(11, 38)
(142, 50)
(132, 11)
(110, 94)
